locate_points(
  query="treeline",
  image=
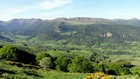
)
(66, 63)
(83, 65)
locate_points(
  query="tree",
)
(41, 56)
(118, 68)
(97, 67)
(80, 64)
(9, 53)
(46, 63)
(135, 70)
(15, 54)
(62, 63)
(96, 58)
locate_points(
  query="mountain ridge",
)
(72, 30)
(81, 20)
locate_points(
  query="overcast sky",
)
(50, 9)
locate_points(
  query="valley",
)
(111, 46)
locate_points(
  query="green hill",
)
(79, 31)
(105, 45)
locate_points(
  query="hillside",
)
(104, 45)
(72, 30)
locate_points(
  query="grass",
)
(61, 75)
(128, 77)
(15, 72)
(134, 60)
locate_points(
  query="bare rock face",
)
(108, 35)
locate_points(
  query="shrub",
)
(15, 54)
(9, 53)
(100, 68)
(98, 75)
(41, 56)
(118, 69)
(135, 70)
(46, 63)
(80, 64)
(62, 63)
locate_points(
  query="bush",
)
(46, 63)
(98, 75)
(9, 53)
(15, 54)
(62, 63)
(118, 69)
(100, 68)
(41, 56)
(135, 70)
(80, 64)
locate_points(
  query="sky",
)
(51, 9)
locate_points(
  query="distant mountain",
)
(79, 30)
(87, 20)
(2, 28)
(133, 22)
(84, 20)
(2, 38)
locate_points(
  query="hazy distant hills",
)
(87, 20)
(79, 30)
(84, 20)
